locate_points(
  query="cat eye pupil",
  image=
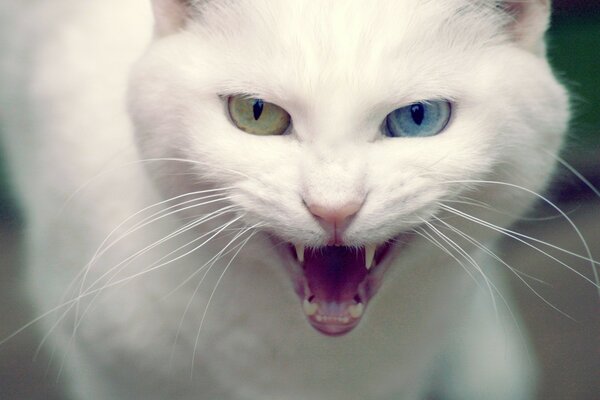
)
(418, 113)
(257, 109)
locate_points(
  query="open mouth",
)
(336, 283)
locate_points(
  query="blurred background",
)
(568, 349)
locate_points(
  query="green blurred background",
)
(574, 46)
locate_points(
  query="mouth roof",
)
(337, 283)
(333, 274)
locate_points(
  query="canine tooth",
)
(299, 252)
(310, 309)
(369, 256)
(356, 310)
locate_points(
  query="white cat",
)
(304, 205)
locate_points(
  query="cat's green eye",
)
(258, 117)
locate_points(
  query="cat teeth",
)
(356, 311)
(309, 308)
(369, 256)
(299, 252)
(332, 319)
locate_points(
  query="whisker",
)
(208, 266)
(513, 317)
(426, 235)
(211, 261)
(241, 246)
(561, 212)
(578, 174)
(471, 261)
(107, 170)
(161, 214)
(515, 235)
(476, 203)
(473, 241)
(159, 264)
(500, 260)
(137, 227)
(67, 303)
(153, 267)
(98, 252)
(185, 228)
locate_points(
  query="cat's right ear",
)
(529, 22)
(170, 16)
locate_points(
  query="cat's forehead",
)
(333, 44)
(349, 27)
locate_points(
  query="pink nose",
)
(338, 216)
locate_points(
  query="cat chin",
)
(336, 283)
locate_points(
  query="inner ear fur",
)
(529, 22)
(170, 16)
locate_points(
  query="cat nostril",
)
(335, 216)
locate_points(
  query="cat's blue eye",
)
(418, 119)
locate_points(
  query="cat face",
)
(345, 130)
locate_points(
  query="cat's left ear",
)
(529, 21)
(170, 16)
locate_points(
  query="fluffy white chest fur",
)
(278, 199)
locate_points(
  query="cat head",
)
(343, 129)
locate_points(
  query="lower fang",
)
(309, 308)
(356, 311)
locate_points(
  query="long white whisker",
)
(578, 174)
(551, 204)
(153, 267)
(476, 203)
(426, 235)
(99, 253)
(109, 284)
(161, 214)
(185, 228)
(471, 261)
(82, 274)
(159, 264)
(515, 236)
(137, 162)
(504, 301)
(212, 260)
(429, 237)
(241, 246)
(208, 267)
(69, 303)
(500, 260)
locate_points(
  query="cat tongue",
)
(333, 275)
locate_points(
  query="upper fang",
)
(369, 256)
(299, 252)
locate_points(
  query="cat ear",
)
(170, 15)
(529, 22)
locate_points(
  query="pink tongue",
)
(334, 273)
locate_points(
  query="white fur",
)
(338, 68)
